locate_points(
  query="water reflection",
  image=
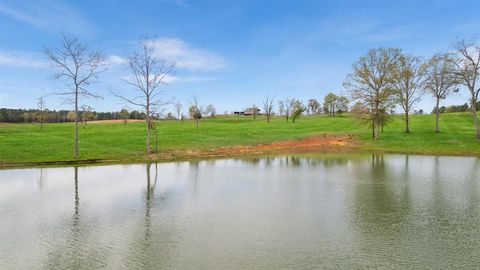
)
(277, 212)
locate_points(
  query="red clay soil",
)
(324, 143)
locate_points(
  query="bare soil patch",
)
(323, 143)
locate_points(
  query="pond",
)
(283, 212)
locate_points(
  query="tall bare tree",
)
(467, 69)
(372, 82)
(440, 80)
(408, 84)
(268, 108)
(148, 73)
(79, 66)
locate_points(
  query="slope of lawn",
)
(20, 143)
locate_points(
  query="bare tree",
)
(440, 80)
(281, 108)
(268, 108)
(254, 110)
(296, 110)
(42, 112)
(372, 82)
(288, 107)
(148, 74)
(408, 84)
(178, 109)
(210, 111)
(124, 114)
(79, 67)
(87, 114)
(313, 106)
(467, 69)
(195, 111)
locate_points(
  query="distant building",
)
(247, 112)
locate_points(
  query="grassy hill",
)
(25, 143)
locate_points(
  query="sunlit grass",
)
(26, 143)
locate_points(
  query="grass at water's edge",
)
(26, 144)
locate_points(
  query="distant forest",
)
(31, 115)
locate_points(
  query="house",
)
(248, 111)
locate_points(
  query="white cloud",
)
(22, 59)
(115, 60)
(185, 56)
(49, 15)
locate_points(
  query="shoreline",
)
(314, 144)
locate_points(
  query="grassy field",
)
(25, 143)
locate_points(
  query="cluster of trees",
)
(43, 115)
(455, 108)
(386, 77)
(335, 105)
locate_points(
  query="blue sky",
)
(229, 53)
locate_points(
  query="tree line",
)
(53, 116)
(385, 78)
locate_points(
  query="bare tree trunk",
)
(149, 150)
(407, 127)
(475, 118)
(75, 137)
(376, 122)
(437, 113)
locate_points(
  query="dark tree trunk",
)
(437, 113)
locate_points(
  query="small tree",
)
(297, 110)
(195, 111)
(178, 109)
(71, 116)
(42, 112)
(341, 104)
(210, 111)
(124, 114)
(254, 111)
(288, 107)
(329, 104)
(281, 108)
(313, 106)
(87, 114)
(268, 108)
(440, 80)
(408, 83)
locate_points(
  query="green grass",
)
(25, 143)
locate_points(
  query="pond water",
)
(285, 212)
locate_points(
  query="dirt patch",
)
(324, 143)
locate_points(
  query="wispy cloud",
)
(186, 56)
(22, 60)
(115, 60)
(180, 3)
(49, 15)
